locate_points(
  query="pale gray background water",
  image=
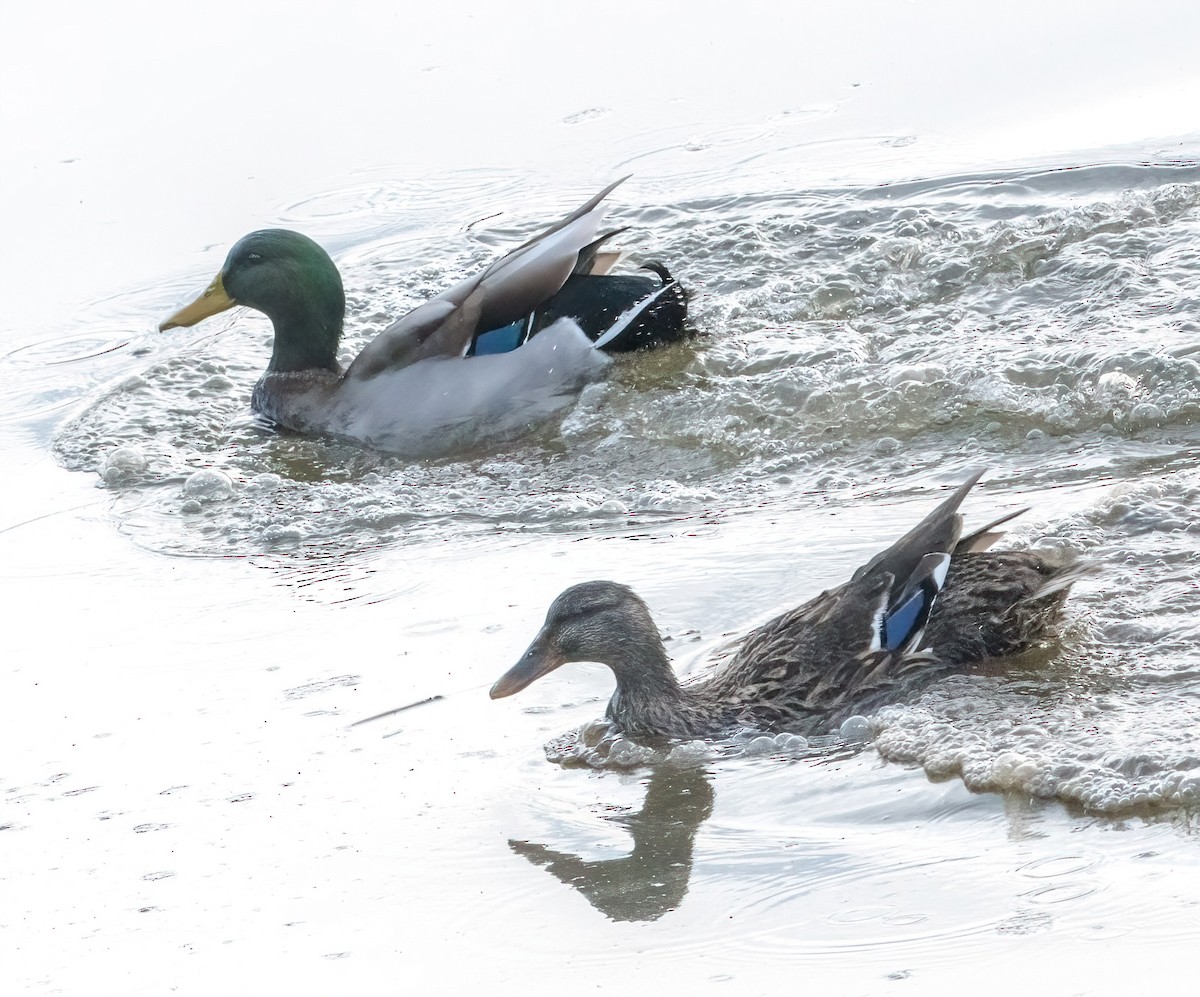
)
(922, 240)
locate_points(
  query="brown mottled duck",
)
(931, 604)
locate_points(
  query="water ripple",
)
(858, 342)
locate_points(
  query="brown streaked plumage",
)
(931, 604)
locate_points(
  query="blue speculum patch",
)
(502, 340)
(901, 621)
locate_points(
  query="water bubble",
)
(761, 745)
(208, 485)
(855, 729)
(1011, 770)
(629, 754)
(791, 744)
(1147, 414)
(691, 753)
(122, 465)
(264, 483)
(279, 533)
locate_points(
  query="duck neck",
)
(306, 337)
(649, 701)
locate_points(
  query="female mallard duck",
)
(930, 604)
(490, 356)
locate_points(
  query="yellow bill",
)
(213, 300)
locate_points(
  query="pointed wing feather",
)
(985, 536)
(507, 289)
(595, 260)
(575, 215)
(936, 533)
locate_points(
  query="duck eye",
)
(253, 257)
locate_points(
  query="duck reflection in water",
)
(653, 878)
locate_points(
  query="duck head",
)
(291, 280)
(593, 621)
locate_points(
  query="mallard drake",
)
(491, 355)
(931, 604)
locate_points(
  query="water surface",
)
(911, 257)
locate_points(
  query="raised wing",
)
(860, 640)
(936, 533)
(508, 289)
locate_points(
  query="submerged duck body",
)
(488, 357)
(931, 604)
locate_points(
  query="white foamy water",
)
(916, 246)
